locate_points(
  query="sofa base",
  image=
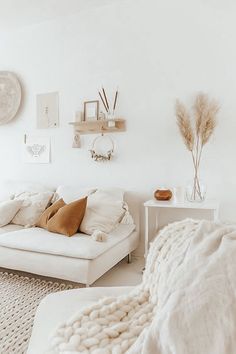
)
(82, 271)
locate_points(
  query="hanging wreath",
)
(96, 151)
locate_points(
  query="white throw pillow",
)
(8, 210)
(104, 211)
(72, 193)
(10, 188)
(33, 205)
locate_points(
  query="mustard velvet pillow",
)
(50, 212)
(67, 219)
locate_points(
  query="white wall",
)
(155, 51)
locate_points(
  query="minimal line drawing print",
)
(36, 149)
(47, 110)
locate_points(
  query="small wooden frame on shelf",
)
(91, 110)
(99, 126)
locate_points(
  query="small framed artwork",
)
(47, 110)
(91, 110)
(36, 149)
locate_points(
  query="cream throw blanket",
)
(186, 303)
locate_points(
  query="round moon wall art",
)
(10, 96)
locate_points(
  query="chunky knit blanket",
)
(185, 304)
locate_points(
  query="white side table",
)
(207, 205)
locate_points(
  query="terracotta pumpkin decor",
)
(163, 194)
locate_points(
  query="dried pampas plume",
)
(197, 133)
(205, 111)
(184, 124)
(209, 121)
(199, 107)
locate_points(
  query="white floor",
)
(123, 274)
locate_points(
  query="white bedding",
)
(78, 246)
(186, 303)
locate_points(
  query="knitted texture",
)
(20, 297)
(113, 324)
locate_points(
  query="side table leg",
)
(157, 220)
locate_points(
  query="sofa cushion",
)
(50, 212)
(104, 211)
(67, 219)
(8, 210)
(72, 193)
(79, 246)
(10, 188)
(33, 206)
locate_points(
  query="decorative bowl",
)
(163, 194)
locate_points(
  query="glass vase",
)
(195, 191)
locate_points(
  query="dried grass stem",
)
(196, 132)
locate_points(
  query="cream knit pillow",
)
(33, 205)
(8, 210)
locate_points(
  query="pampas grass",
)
(197, 131)
(184, 124)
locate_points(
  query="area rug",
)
(19, 298)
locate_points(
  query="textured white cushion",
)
(72, 193)
(9, 188)
(78, 246)
(32, 207)
(8, 210)
(104, 211)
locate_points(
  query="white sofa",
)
(79, 258)
(57, 308)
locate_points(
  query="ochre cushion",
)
(49, 213)
(68, 218)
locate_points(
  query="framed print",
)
(91, 110)
(47, 110)
(36, 149)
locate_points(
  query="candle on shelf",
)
(78, 116)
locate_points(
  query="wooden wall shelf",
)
(99, 126)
